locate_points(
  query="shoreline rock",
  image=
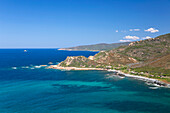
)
(146, 79)
(151, 81)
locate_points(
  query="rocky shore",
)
(149, 81)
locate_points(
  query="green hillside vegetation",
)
(147, 49)
(149, 58)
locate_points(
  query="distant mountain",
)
(96, 47)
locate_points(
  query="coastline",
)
(153, 81)
(150, 81)
(73, 68)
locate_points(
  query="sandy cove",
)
(73, 68)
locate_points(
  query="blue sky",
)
(65, 23)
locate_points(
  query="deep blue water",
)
(40, 90)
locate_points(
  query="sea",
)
(27, 87)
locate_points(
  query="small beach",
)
(73, 68)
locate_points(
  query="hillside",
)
(161, 62)
(113, 58)
(140, 50)
(146, 49)
(150, 57)
(96, 47)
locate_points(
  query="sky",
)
(67, 23)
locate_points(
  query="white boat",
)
(37, 66)
(26, 66)
(25, 50)
(14, 67)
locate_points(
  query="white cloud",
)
(124, 40)
(117, 31)
(134, 29)
(147, 37)
(131, 37)
(152, 30)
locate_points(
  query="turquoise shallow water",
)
(55, 91)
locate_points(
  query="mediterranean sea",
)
(25, 87)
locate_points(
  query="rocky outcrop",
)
(91, 57)
(78, 61)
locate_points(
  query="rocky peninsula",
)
(146, 59)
